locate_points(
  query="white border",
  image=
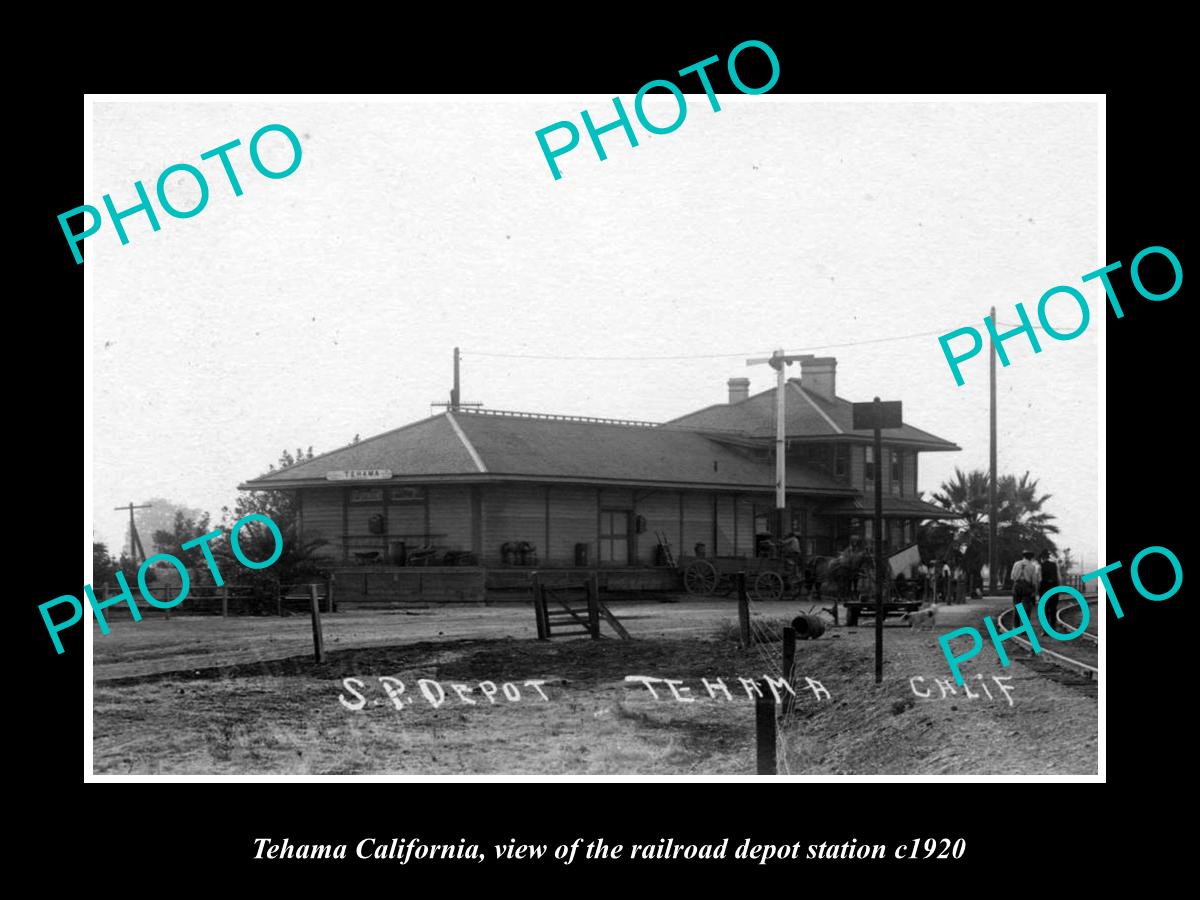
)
(88, 191)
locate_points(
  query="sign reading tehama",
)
(358, 474)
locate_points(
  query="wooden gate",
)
(575, 607)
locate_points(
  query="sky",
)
(327, 304)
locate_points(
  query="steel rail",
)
(1069, 627)
(1091, 671)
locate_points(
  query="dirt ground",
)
(198, 695)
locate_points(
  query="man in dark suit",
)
(1049, 579)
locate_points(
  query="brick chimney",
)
(819, 375)
(739, 389)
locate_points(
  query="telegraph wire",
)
(900, 337)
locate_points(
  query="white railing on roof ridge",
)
(477, 411)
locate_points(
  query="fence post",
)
(329, 593)
(743, 610)
(789, 664)
(539, 607)
(593, 594)
(764, 726)
(318, 638)
(278, 599)
(225, 601)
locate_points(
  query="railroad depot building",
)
(494, 493)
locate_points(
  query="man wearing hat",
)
(1026, 574)
(790, 551)
(1048, 581)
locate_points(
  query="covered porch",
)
(855, 517)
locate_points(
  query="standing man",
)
(1049, 579)
(790, 551)
(1025, 577)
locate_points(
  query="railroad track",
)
(1078, 665)
(1067, 619)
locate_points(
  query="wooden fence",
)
(229, 599)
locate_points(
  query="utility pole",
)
(878, 415)
(992, 561)
(880, 564)
(135, 542)
(777, 361)
(455, 396)
(456, 403)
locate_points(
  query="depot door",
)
(614, 537)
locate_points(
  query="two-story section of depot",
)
(470, 500)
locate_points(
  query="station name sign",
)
(359, 475)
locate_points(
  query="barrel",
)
(808, 627)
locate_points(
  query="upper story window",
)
(869, 465)
(897, 472)
(841, 460)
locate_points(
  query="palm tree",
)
(1021, 521)
(962, 538)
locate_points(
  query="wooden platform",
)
(394, 587)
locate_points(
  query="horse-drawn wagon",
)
(853, 575)
(766, 579)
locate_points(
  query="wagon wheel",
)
(725, 585)
(700, 577)
(768, 586)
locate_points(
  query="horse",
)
(845, 571)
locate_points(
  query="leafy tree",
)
(186, 526)
(183, 529)
(103, 565)
(297, 562)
